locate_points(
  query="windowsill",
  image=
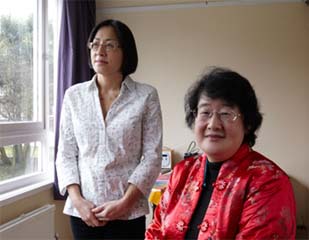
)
(13, 196)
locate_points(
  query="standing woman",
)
(110, 143)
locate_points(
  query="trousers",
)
(117, 229)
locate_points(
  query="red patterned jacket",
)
(252, 199)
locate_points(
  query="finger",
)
(97, 209)
(102, 214)
(89, 224)
(95, 222)
(103, 218)
(92, 221)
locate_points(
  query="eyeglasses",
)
(108, 46)
(225, 116)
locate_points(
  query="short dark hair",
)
(234, 89)
(126, 41)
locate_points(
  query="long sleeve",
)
(167, 222)
(154, 230)
(66, 161)
(149, 167)
(270, 203)
(105, 155)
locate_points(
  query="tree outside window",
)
(22, 83)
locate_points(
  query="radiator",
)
(38, 224)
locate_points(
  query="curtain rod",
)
(204, 4)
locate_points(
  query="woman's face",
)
(106, 55)
(218, 134)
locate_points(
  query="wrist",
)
(125, 202)
(74, 193)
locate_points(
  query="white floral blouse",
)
(103, 156)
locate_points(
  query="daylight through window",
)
(26, 90)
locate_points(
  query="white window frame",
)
(12, 133)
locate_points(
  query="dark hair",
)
(126, 41)
(234, 89)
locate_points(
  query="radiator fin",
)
(37, 224)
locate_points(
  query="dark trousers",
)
(118, 229)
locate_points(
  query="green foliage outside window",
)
(16, 89)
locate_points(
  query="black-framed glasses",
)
(226, 116)
(108, 46)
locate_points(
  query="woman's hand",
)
(83, 207)
(115, 209)
(111, 210)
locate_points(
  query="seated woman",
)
(229, 191)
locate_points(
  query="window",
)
(26, 92)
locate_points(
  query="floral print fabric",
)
(104, 155)
(252, 199)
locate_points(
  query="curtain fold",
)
(77, 20)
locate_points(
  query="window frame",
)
(12, 133)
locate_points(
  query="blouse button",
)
(180, 226)
(275, 236)
(204, 226)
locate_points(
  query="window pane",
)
(26, 92)
(18, 89)
(18, 160)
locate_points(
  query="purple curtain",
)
(77, 21)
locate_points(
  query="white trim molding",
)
(198, 4)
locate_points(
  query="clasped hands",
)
(95, 216)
